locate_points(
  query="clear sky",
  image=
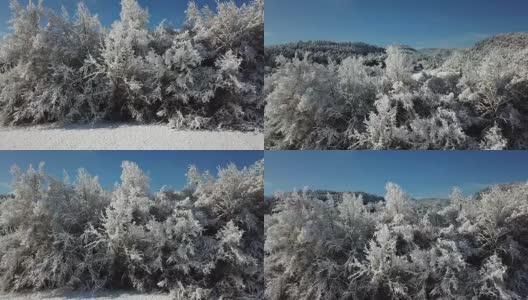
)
(418, 23)
(422, 174)
(164, 167)
(108, 10)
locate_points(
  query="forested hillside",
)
(322, 51)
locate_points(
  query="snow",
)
(77, 233)
(398, 248)
(357, 104)
(104, 295)
(106, 136)
(444, 74)
(421, 76)
(200, 77)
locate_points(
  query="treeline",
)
(470, 102)
(321, 51)
(204, 242)
(471, 248)
(208, 74)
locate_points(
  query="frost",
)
(203, 242)
(208, 74)
(345, 248)
(322, 95)
(493, 140)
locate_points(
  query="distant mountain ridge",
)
(321, 51)
(316, 46)
(338, 196)
(372, 198)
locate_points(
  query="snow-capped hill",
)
(509, 41)
(511, 47)
(502, 186)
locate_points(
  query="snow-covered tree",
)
(43, 231)
(469, 99)
(469, 248)
(381, 129)
(46, 79)
(399, 64)
(124, 49)
(209, 74)
(493, 140)
(203, 242)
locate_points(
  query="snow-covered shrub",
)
(493, 140)
(234, 217)
(442, 131)
(473, 248)
(306, 247)
(203, 242)
(209, 74)
(324, 102)
(472, 99)
(399, 65)
(381, 130)
(43, 231)
(306, 85)
(125, 46)
(46, 79)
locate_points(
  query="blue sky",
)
(164, 167)
(422, 174)
(418, 23)
(108, 10)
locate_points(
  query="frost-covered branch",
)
(208, 74)
(464, 248)
(205, 241)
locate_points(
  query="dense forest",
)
(204, 242)
(465, 248)
(321, 51)
(207, 74)
(401, 99)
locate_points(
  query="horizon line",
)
(268, 44)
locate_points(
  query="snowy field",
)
(124, 137)
(63, 295)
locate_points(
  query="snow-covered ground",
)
(106, 136)
(65, 295)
